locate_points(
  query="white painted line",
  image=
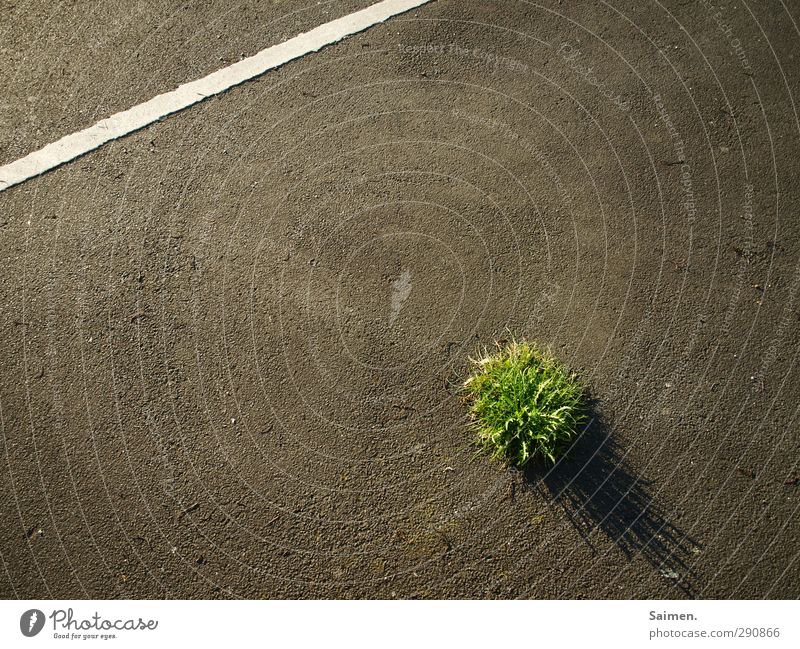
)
(75, 145)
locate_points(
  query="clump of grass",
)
(524, 404)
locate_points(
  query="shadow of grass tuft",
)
(601, 493)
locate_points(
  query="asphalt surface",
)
(231, 343)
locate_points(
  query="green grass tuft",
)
(525, 404)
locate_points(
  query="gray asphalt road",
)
(231, 343)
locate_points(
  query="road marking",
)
(75, 145)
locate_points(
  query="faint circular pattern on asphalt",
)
(234, 341)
